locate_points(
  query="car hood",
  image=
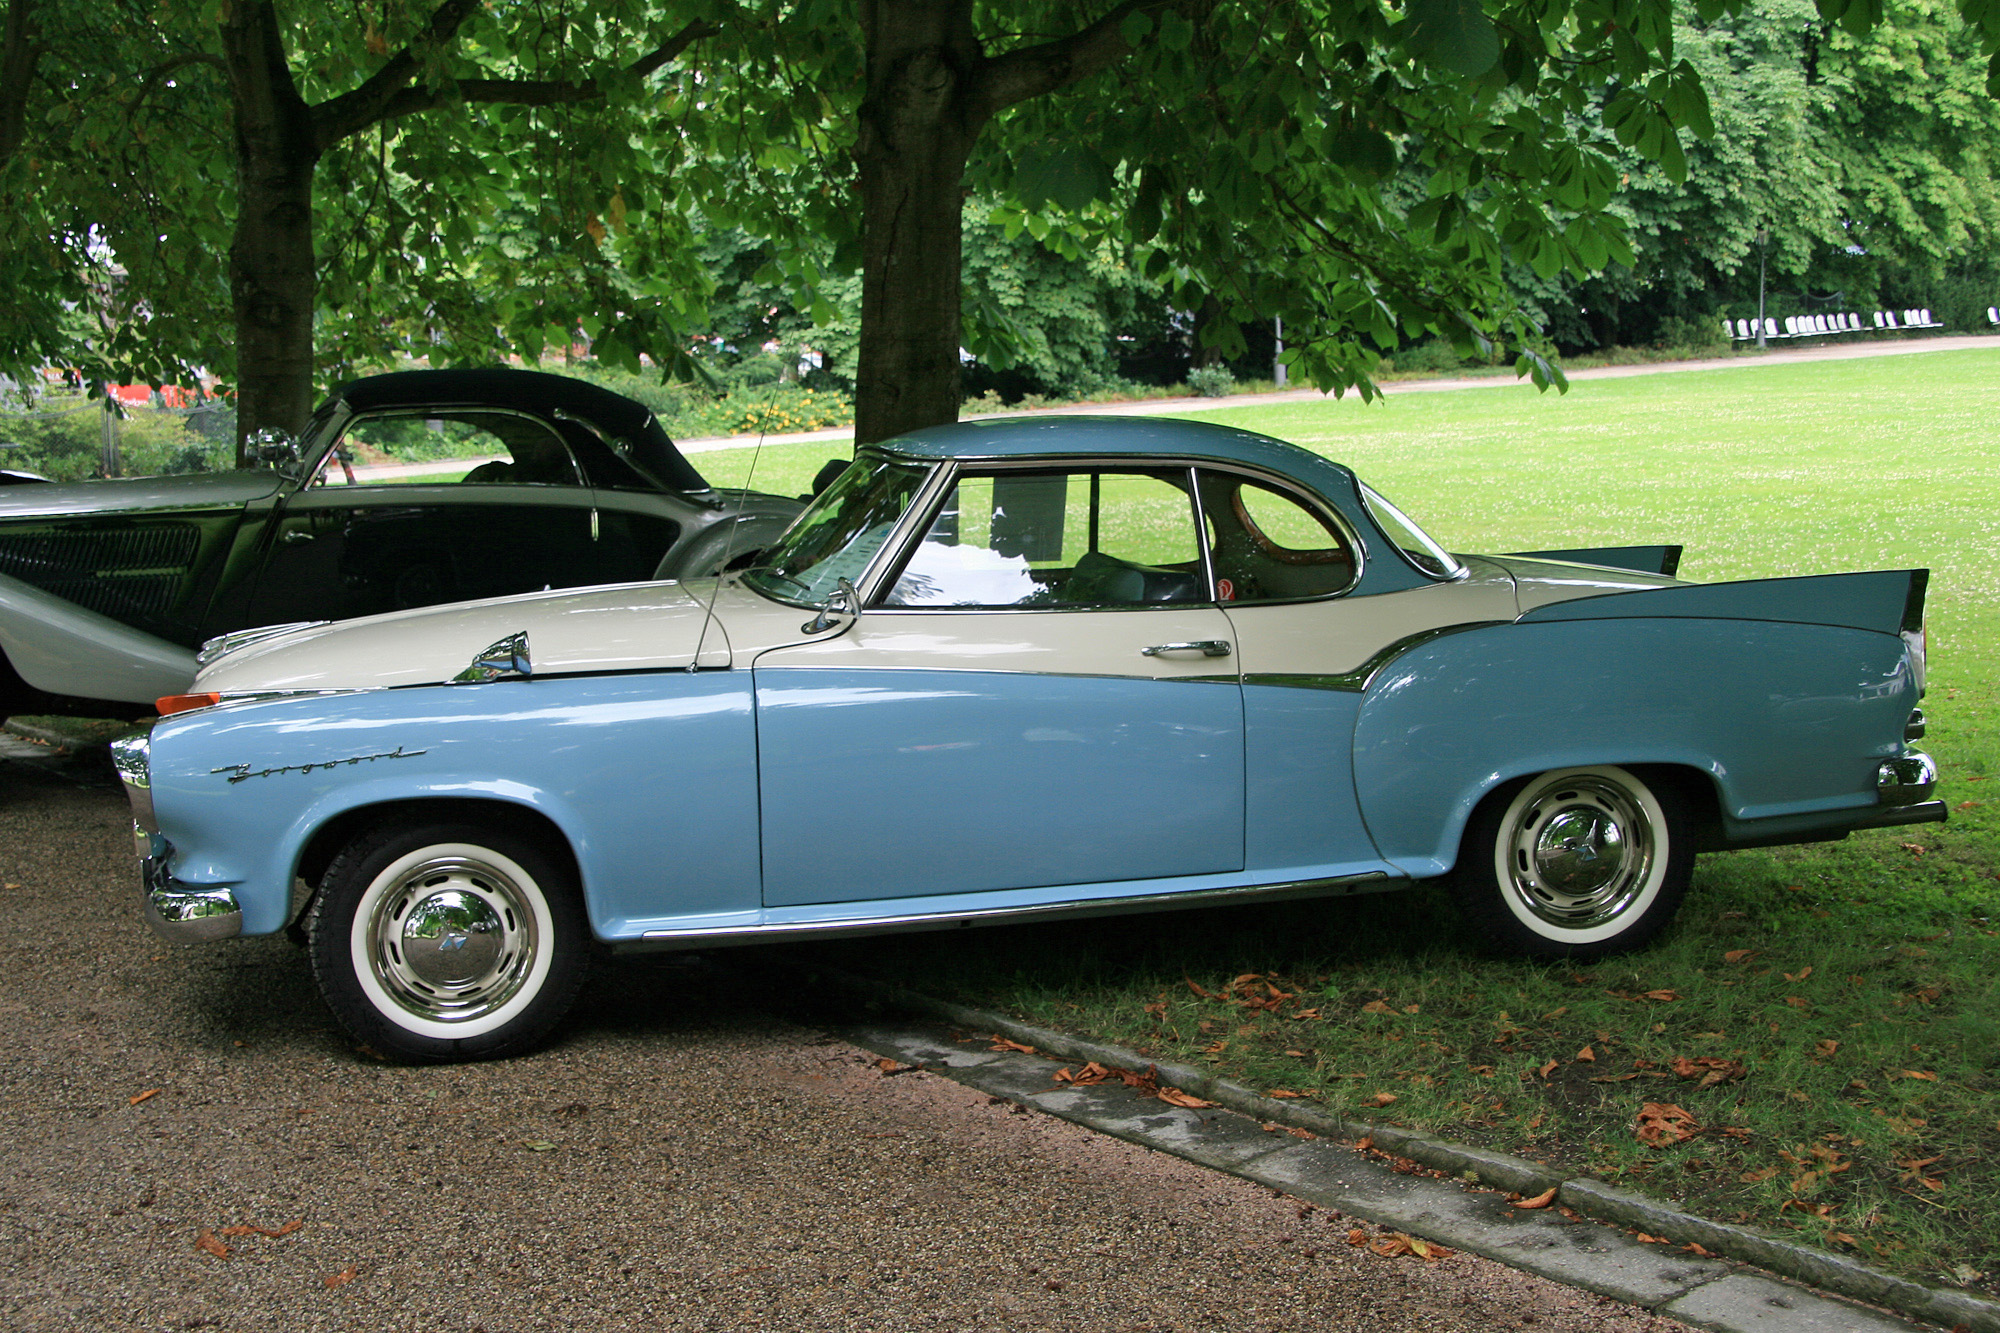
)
(622, 627)
(126, 495)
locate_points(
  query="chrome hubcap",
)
(1579, 852)
(452, 940)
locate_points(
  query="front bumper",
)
(183, 913)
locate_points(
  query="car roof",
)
(538, 392)
(1041, 436)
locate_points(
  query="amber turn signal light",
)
(168, 704)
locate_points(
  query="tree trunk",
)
(918, 120)
(271, 269)
(17, 71)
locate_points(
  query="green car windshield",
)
(839, 533)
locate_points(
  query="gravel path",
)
(681, 1158)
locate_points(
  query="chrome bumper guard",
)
(1903, 788)
(183, 913)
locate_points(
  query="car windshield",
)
(839, 533)
(1412, 541)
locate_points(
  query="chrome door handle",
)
(296, 538)
(1206, 647)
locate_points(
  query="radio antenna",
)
(728, 550)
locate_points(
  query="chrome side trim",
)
(1906, 781)
(1913, 730)
(1374, 881)
(1359, 679)
(188, 913)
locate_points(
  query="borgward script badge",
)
(243, 772)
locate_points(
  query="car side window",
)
(484, 448)
(1058, 539)
(1269, 545)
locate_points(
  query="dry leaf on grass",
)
(1662, 1123)
(1381, 1099)
(1709, 1069)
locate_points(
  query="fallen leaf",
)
(1709, 1069)
(1586, 1055)
(1614, 1078)
(1299, 1133)
(1376, 1007)
(1912, 848)
(1283, 1092)
(1758, 1177)
(1739, 955)
(1542, 1200)
(1736, 1132)
(1653, 1240)
(147, 1095)
(1962, 805)
(206, 1241)
(1664, 996)
(1298, 1055)
(1382, 1099)
(1924, 1074)
(1799, 975)
(1197, 989)
(1661, 1123)
(1175, 1097)
(1696, 1248)
(342, 1278)
(1357, 1237)
(1412, 1008)
(1548, 1069)
(1003, 1044)
(1826, 1048)
(1798, 1002)
(539, 1145)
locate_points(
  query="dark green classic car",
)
(109, 588)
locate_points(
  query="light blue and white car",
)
(1010, 670)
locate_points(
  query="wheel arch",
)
(1691, 786)
(326, 841)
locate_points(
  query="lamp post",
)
(1278, 366)
(1763, 239)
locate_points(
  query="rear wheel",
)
(1577, 863)
(439, 941)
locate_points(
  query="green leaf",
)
(1069, 176)
(1366, 152)
(1453, 33)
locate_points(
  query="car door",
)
(384, 526)
(1289, 572)
(1043, 694)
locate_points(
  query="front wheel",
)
(1578, 863)
(437, 941)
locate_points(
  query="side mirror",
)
(845, 603)
(274, 447)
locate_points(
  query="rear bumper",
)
(1904, 786)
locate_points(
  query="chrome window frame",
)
(1315, 504)
(904, 542)
(436, 411)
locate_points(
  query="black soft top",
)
(620, 419)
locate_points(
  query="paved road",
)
(682, 1158)
(1779, 354)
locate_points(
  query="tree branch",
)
(358, 108)
(158, 75)
(406, 100)
(1033, 71)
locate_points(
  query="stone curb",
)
(1594, 1199)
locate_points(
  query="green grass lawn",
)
(1826, 1016)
